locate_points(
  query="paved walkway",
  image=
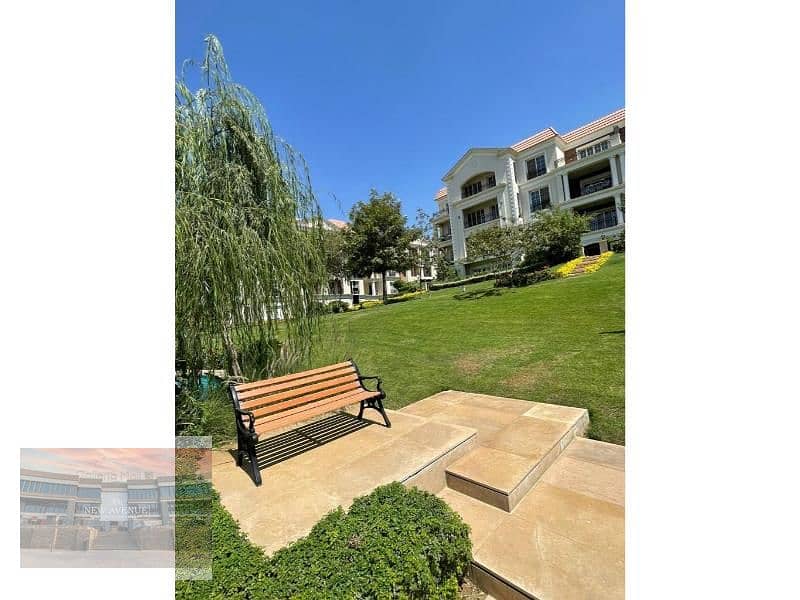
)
(546, 507)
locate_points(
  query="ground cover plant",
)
(394, 543)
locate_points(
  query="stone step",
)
(114, 540)
(576, 512)
(502, 469)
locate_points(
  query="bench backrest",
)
(277, 394)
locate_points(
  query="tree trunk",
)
(233, 354)
(383, 286)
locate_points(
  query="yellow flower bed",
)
(568, 268)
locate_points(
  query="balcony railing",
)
(603, 220)
(445, 212)
(444, 237)
(478, 186)
(596, 186)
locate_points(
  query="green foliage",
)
(394, 543)
(618, 243)
(338, 306)
(404, 297)
(378, 238)
(405, 286)
(336, 253)
(553, 238)
(445, 271)
(502, 244)
(521, 278)
(210, 415)
(248, 251)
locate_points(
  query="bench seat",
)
(278, 402)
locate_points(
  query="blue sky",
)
(390, 94)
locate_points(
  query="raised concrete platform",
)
(518, 441)
(303, 485)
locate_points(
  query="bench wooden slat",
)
(243, 387)
(299, 391)
(295, 383)
(319, 395)
(312, 410)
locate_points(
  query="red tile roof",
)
(337, 223)
(440, 194)
(536, 138)
(596, 125)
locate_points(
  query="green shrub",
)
(523, 277)
(371, 303)
(404, 297)
(394, 543)
(338, 306)
(553, 238)
(404, 287)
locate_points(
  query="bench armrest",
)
(239, 412)
(379, 381)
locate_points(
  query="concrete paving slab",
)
(587, 478)
(602, 453)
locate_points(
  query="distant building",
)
(583, 171)
(369, 288)
(57, 498)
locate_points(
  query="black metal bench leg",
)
(254, 470)
(377, 404)
(383, 412)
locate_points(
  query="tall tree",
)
(378, 237)
(501, 244)
(248, 251)
(336, 253)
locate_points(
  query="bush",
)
(392, 543)
(521, 278)
(404, 297)
(338, 306)
(404, 287)
(371, 303)
(618, 243)
(553, 238)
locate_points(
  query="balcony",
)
(603, 220)
(441, 215)
(596, 186)
(477, 184)
(588, 151)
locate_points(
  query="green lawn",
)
(560, 341)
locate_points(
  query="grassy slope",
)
(561, 341)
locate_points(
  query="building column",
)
(620, 215)
(612, 164)
(565, 186)
(512, 214)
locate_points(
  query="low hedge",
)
(393, 543)
(404, 297)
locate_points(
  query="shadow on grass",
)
(478, 294)
(281, 447)
(616, 331)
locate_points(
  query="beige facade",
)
(582, 170)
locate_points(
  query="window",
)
(591, 150)
(540, 199)
(482, 215)
(89, 493)
(536, 167)
(138, 494)
(49, 489)
(477, 185)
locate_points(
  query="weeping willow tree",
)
(248, 241)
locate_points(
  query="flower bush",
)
(569, 267)
(404, 297)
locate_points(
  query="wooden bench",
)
(263, 406)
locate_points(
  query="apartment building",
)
(582, 170)
(64, 499)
